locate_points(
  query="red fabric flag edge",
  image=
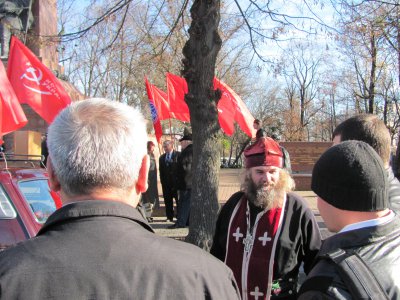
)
(153, 109)
(11, 112)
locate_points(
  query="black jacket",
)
(298, 242)
(105, 250)
(168, 171)
(394, 191)
(378, 246)
(185, 162)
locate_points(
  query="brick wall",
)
(45, 16)
(303, 156)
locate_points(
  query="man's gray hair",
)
(97, 143)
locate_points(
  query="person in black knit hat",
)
(352, 187)
(371, 129)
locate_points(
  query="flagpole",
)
(27, 20)
(169, 113)
(170, 129)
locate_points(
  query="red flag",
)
(226, 111)
(230, 107)
(162, 105)
(11, 113)
(161, 102)
(176, 90)
(34, 83)
(154, 113)
(241, 113)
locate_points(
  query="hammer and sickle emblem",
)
(35, 78)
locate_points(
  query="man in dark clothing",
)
(184, 170)
(373, 131)
(265, 232)
(168, 176)
(262, 134)
(352, 188)
(98, 246)
(43, 151)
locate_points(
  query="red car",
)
(25, 199)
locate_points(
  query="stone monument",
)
(15, 18)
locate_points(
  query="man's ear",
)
(141, 184)
(53, 180)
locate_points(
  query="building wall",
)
(45, 26)
(303, 156)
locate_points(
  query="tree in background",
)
(121, 41)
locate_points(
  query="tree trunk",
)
(396, 163)
(200, 53)
(398, 47)
(371, 89)
(239, 154)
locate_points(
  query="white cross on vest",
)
(264, 239)
(256, 293)
(237, 235)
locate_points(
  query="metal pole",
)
(27, 20)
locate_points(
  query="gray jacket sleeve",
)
(394, 191)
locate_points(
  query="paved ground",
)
(229, 183)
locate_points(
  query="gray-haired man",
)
(98, 246)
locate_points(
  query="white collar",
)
(369, 223)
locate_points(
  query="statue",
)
(15, 18)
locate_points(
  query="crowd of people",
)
(176, 181)
(99, 246)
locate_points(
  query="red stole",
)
(253, 269)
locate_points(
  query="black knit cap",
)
(351, 176)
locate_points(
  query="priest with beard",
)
(264, 233)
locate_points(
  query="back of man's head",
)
(97, 143)
(351, 176)
(369, 129)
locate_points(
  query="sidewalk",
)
(229, 183)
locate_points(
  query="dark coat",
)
(298, 243)
(168, 171)
(378, 246)
(260, 133)
(394, 191)
(185, 162)
(106, 250)
(44, 151)
(151, 195)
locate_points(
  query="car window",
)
(37, 194)
(7, 211)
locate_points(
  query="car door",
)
(12, 226)
(25, 204)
